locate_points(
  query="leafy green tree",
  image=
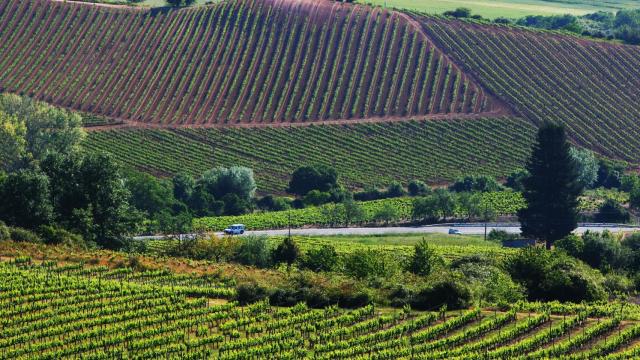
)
(254, 251)
(26, 200)
(178, 3)
(183, 186)
(317, 177)
(470, 204)
(552, 188)
(387, 213)
(394, 190)
(445, 202)
(149, 193)
(425, 208)
(634, 198)
(286, 252)
(480, 183)
(316, 198)
(424, 259)
(236, 180)
(612, 212)
(515, 179)
(31, 130)
(362, 264)
(418, 188)
(323, 258)
(587, 166)
(353, 212)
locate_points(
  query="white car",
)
(454, 232)
(235, 229)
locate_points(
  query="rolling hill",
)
(251, 76)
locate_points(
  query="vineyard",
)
(589, 86)
(245, 61)
(51, 313)
(363, 154)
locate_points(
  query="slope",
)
(591, 87)
(240, 61)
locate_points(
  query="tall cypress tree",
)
(552, 188)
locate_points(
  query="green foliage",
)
(552, 275)
(5, 233)
(362, 264)
(572, 244)
(587, 166)
(273, 203)
(482, 183)
(24, 235)
(286, 252)
(418, 188)
(30, 130)
(318, 177)
(452, 293)
(610, 174)
(552, 188)
(236, 180)
(54, 235)
(612, 212)
(250, 293)
(395, 189)
(516, 178)
(26, 199)
(386, 214)
(603, 251)
(183, 187)
(320, 258)
(254, 251)
(460, 12)
(555, 22)
(149, 193)
(424, 259)
(501, 236)
(316, 198)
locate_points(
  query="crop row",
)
(238, 61)
(363, 154)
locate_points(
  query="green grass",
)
(509, 8)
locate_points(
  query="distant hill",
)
(477, 90)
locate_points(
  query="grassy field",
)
(507, 8)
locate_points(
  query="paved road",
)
(465, 229)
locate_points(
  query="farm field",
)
(41, 319)
(363, 154)
(509, 8)
(87, 63)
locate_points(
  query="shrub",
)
(286, 252)
(361, 264)
(618, 284)
(5, 233)
(317, 177)
(612, 212)
(452, 292)
(603, 251)
(250, 292)
(354, 300)
(54, 235)
(23, 235)
(480, 183)
(418, 188)
(324, 258)
(254, 251)
(501, 235)
(316, 198)
(424, 259)
(272, 203)
(394, 190)
(572, 244)
(552, 275)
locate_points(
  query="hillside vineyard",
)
(245, 61)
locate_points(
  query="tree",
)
(515, 179)
(587, 166)
(480, 183)
(471, 204)
(254, 251)
(395, 189)
(552, 188)
(183, 186)
(30, 130)
(424, 259)
(387, 213)
(286, 252)
(177, 3)
(425, 208)
(26, 200)
(445, 202)
(353, 212)
(317, 177)
(634, 198)
(149, 193)
(418, 188)
(236, 180)
(323, 258)
(460, 12)
(612, 212)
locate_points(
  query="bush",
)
(361, 264)
(612, 212)
(354, 300)
(286, 252)
(23, 235)
(250, 293)
(5, 233)
(453, 293)
(472, 183)
(324, 258)
(316, 198)
(272, 203)
(424, 259)
(394, 190)
(418, 188)
(572, 245)
(618, 284)
(460, 12)
(603, 251)
(551, 275)
(254, 251)
(514, 181)
(307, 178)
(54, 235)
(501, 235)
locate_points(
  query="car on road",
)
(235, 229)
(454, 232)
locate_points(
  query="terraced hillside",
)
(51, 312)
(363, 154)
(241, 61)
(591, 87)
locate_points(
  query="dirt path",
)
(385, 119)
